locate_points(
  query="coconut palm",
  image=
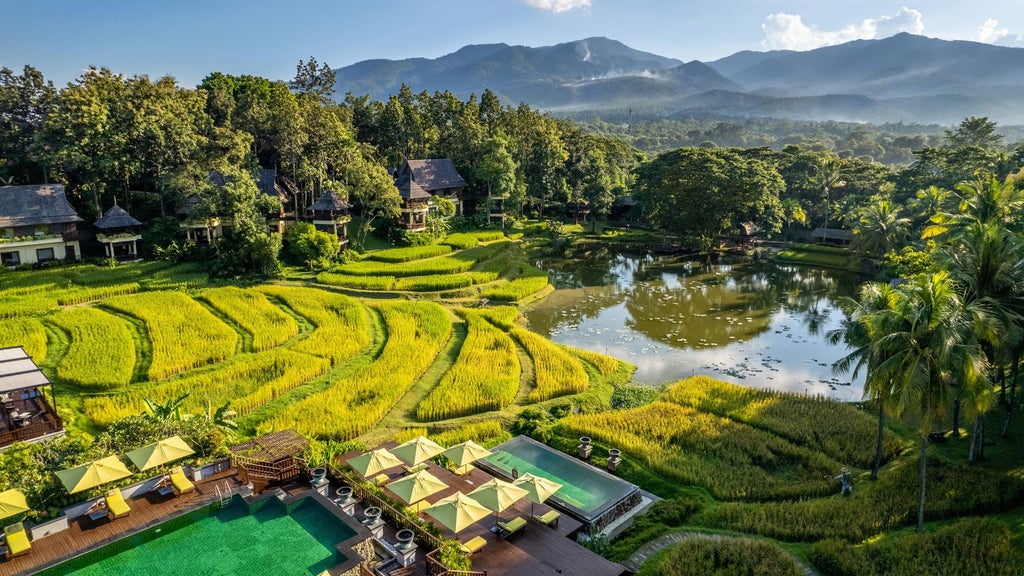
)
(827, 177)
(927, 339)
(860, 332)
(881, 227)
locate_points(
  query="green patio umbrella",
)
(12, 502)
(538, 489)
(457, 512)
(416, 487)
(497, 494)
(160, 453)
(466, 453)
(374, 462)
(417, 450)
(93, 474)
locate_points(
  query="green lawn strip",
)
(527, 375)
(403, 413)
(305, 326)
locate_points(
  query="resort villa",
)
(420, 180)
(37, 224)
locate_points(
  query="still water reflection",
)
(753, 323)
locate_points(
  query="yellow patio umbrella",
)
(466, 453)
(160, 453)
(12, 502)
(497, 494)
(416, 487)
(457, 512)
(538, 488)
(93, 474)
(417, 450)
(374, 462)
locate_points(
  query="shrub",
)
(486, 433)
(311, 247)
(662, 517)
(484, 377)
(268, 325)
(189, 338)
(102, 350)
(633, 396)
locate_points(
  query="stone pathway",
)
(650, 548)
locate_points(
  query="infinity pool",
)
(587, 492)
(267, 537)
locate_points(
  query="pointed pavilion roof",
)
(330, 201)
(408, 189)
(116, 217)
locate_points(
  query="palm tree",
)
(881, 227)
(860, 333)
(827, 177)
(927, 339)
(170, 410)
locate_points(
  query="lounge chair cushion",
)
(512, 526)
(381, 479)
(415, 469)
(472, 545)
(17, 540)
(116, 506)
(550, 518)
(180, 483)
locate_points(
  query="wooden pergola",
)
(26, 414)
(269, 459)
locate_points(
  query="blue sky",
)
(190, 38)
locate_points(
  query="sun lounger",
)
(414, 469)
(512, 526)
(17, 540)
(473, 545)
(381, 479)
(550, 518)
(116, 506)
(180, 483)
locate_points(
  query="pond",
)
(754, 323)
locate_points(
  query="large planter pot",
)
(318, 474)
(584, 448)
(405, 538)
(614, 459)
(372, 515)
(344, 494)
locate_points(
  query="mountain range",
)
(903, 78)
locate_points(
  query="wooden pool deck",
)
(84, 534)
(536, 550)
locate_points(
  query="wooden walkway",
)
(84, 534)
(537, 549)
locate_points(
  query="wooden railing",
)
(31, 431)
(435, 568)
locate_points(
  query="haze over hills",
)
(903, 78)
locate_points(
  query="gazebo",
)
(27, 416)
(330, 214)
(269, 459)
(120, 234)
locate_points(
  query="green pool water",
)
(583, 487)
(268, 540)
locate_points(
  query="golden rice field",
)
(25, 332)
(341, 325)
(101, 354)
(354, 404)
(484, 377)
(269, 326)
(557, 372)
(189, 338)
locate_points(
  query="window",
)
(10, 258)
(44, 254)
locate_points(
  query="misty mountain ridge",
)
(904, 78)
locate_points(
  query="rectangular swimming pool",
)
(265, 537)
(587, 493)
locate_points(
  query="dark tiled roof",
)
(330, 201)
(218, 178)
(116, 217)
(433, 175)
(832, 234)
(269, 185)
(410, 190)
(35, 204)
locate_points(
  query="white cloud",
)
(557, 6)
(788, 31)
(990, 33)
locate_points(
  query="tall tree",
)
(25, 101)
(314, 79)
(881, 227)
